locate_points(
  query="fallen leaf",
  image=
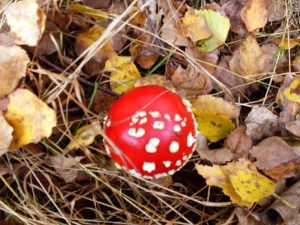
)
(276, 10)
(65, 167)
(7, 39)
(191, 81)
(293, 127)
(97, 14)
(13, 64)
(154, 79)
(276, 158)
(248, 60)
(255, 14)
(273, 60)
(84, 136)
(287, 205)
(239, 142)
(296, 64)
(248, 217)
(261, 123)
(26, 21)
(286, 43)
(170, 31)
(31, 118)
(214, 116)
(232, 9)
(88, 38)
(239, 180)
(288, 98)
(194, 25)
(123, 73)
(5, 135)
(97, 4)
(219, 26)
(216, 156)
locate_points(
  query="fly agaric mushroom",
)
(151, 131)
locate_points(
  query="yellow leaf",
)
(291, 92)
(5, 135)
(286, 43)
(214, 116)
(26, 21)
(248, 60)
(218, 25)
(195, 26)
(13, 65)
(124, 73)
(31, 118)
(239, 180)
(255, 14)
(85, 136)
(97, 14)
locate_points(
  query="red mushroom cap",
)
(153, 129)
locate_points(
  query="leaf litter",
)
(235, 61)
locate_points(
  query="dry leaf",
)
(247, 217)
(286, 43)
(123, 73)
(13, 63)
(293, 127)
(239, 180)
(255, 14)
(271, 53)
(219, 26)
(276, 10)
(5, 135)
(239, 142)
(84, 136)
(194, 25)
(216, 156)
(26, 21)
(191, 81)
(232, 9)
(97, 14)
(248, 60)
(154, 79)
(170, 32)
(261, 123)
(276, 158)
(214, 116)
(288, 205)
(65, 167)
(7, 39)
(296, 64)
(31, 118)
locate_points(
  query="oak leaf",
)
(30, 117)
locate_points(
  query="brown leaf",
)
(255, 14)
(288, 205)
(276, 158)
(270, 51)
(261, 123)
(154, 79)
(232, 9)
(276, 9)
(293, 127)
(191, 81)
(296, 64)
(5, 135)
(239, 142)
(217, 156)
(195, 26)
(50, 41)
(247, 217)
(103, 4)
(13, 63)
(249, 60)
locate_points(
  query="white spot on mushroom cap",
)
(160, 175)
(159, 125)
(149, 166)
(184, 157)
(174, 147)
(171, 172)
(134, 173)
(178, 162)
(155, 114)
(118, 166)
(151, 147)
(135, 119)
(167, 163)
(167, 117)
(142, 114)
(183, 123)
(144, 120)
(108, 123)
(177, 128)
(177, 118)
(191, 140)
(136, 132)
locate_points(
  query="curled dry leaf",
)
(248, 60)
(5, 135)
(239, 142)
(255, 14)
(85, 136)
(219, 26)
(214, 116)
(31, 118)
(261, 123)
(65, 167)
(191, 81)
(276, 158)
(13, 63)
(194, 25)
(26, 21)
(239, 180)
(170, 31)
(123, 73)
